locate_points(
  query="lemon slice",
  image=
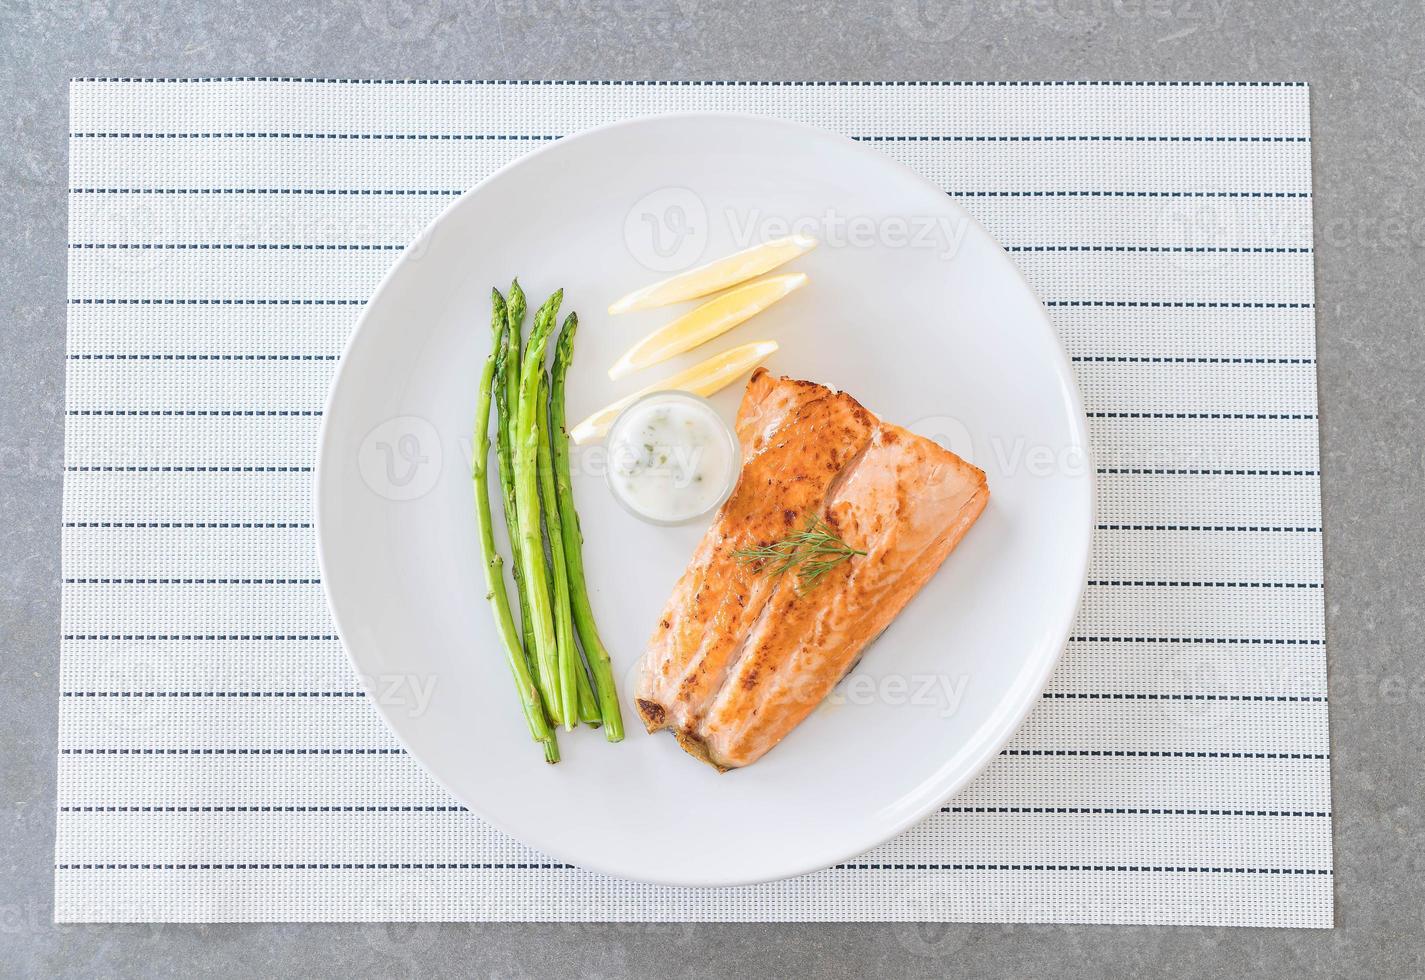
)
(729, 271)
(704, 379)
(710, 320)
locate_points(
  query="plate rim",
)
(1032, 691)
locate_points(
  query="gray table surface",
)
(1363, 60)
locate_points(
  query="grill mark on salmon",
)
(743, 671)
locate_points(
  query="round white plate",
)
(911, 307)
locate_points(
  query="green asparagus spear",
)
(589, 709)
(583, 614)
(568, 661)
(589, 712)
(525, 446)
(587, 705)
(494, 575)
(507, 383)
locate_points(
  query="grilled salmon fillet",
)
(739, 658)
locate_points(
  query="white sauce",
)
(671, 457)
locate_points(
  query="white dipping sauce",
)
(671, 457)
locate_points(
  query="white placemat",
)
(217, 759)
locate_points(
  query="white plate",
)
(911, 307)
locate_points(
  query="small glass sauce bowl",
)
(718, 469)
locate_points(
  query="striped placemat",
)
(217, 760)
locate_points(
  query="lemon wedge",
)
(710, 320)
(704, 379)
(729, 271)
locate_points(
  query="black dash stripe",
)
(1141, 696)
(1252, 528)
(1176, 304)
(318, 135)
(1245, 641)
(1133, 359)
(1236, 416)
(194, 412)
(188, 469)
(212, 694)
(270, 808)
(192, 581)
(1166, 471)
(204, 357)
(295, 191)
(170, 301)
(1168, 583)
(230, 751)
(1137, 194)
(1161, 754)
(1134, 811)
(1141, 868)
(1161, 249)
(174, 525)
(1081, 138)
(330, 866)
(234, 247)
(204, 637)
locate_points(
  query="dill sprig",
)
(812, 552)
